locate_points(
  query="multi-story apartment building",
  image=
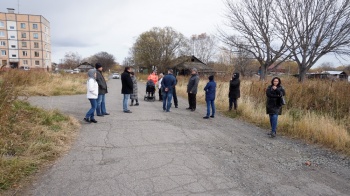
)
(24, 41)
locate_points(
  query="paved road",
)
(150, 152)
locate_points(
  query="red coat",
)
(153, 77)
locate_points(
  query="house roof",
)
(189, 62)
(333, 72)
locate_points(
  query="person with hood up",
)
(274, 94)
(91, 94)
(210, 92)
(192, 88)
(127, 88)
(234, 92)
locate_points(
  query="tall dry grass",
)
(316, 111)
(29, 136)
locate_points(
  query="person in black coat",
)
(102, 91)
(274, 93)
(127, 88)
(234, 92)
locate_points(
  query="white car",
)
(75, 71)
(115, 76)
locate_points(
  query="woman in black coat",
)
(234, 92)
(274, 94)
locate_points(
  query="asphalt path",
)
(151, 152)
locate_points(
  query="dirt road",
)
(150, 152)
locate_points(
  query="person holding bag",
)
(274, 93)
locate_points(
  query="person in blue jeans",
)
(210, 91)
(91, 94)
(274, 93)
(127, 88)
(168, 83)
(102, 91)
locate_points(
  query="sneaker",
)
(100, 115)
(188, 108)
(176, 106)
(93, 120)
(206, 117)
(87, 120)
(128, 111)
(212, 116)
(273, 135)
(137, 104)
(192, 110)
(106, 114)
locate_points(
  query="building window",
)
(13, 46)
(12, 27)
(24, 44)
(36, 54)
(36, 36)
(36, 44)
(25, 62)
(37, 63)
(24, 35)
(35, 26)
(23, 25)
(12, 37)
(14, 55)
(2, 34)
(2, 24)
(3, 52)
(25, 53)
(2, 43)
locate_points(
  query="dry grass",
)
(29, 137)
(316, 111)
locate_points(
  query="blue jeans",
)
(101, 105)
(273, 122)
(125, 102)
(90, 113)
(210, 104)
(167, 96)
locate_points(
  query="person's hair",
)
(132, 73)
(279, 81)
(126, 68)
(170, 70)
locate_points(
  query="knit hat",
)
(194, 69)
(98, 65)
(91, 73)
(211, 77)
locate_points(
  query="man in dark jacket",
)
(102, 91)
(192, 88)
(234, 92)
(210, 92)
(127, 88)
(168, 84)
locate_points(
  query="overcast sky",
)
(91, 26)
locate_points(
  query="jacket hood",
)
(235, 76)
(91, 73)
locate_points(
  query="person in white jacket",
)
(92, 94)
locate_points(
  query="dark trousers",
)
(233, 101)
(160, 94)
(192, 100)
(175, 97)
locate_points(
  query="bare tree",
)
(319, 27)
(107, 60)
(71, 60)
(253, 22)
(204, 46)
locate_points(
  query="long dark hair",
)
(279, 81)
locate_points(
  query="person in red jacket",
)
(153, 76)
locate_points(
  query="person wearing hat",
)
(234, 91)
(102, 91)
(91, 94)
(192, 88)
(210, 91)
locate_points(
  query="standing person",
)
(176, 103)
(168, 84)
(234, 92)
(153, 76)
(210, 91)
(102, 91)
(133, 96)
(127, 88)
(192, 88)
(160, 86)
(91, 94)
(274, 93)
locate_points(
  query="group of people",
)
(97, 88)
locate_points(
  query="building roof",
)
(189, 62)
(333, 72)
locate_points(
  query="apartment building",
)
(24, 41)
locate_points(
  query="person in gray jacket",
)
(192, 88)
